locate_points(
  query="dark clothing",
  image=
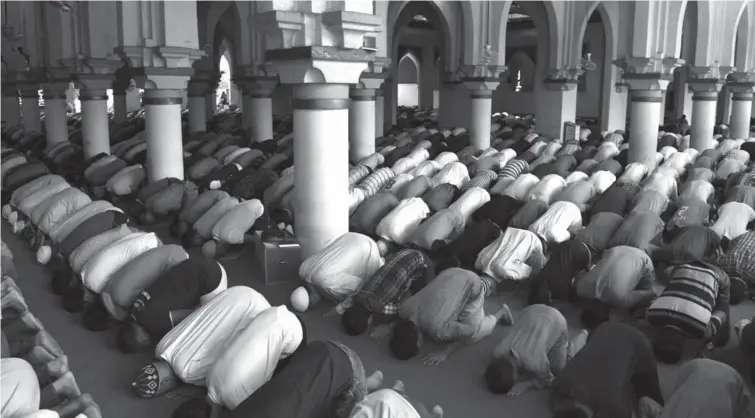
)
(101, 175)
(499, 209)
(585, 153)
(397, 154)
(440, 197)
(615, 200)
(599, 231)
(691, 243)
(564, 164)
(177, 289)
(610, 165)
(308, 386)
(221, 175)
(611, 372)
(468, 245)
(554, 280)
(153, 188)
(528, 214)
(666, 141)
(741, 194)
(22, 174)
(254, 186)
(95, 225)
(638, 230)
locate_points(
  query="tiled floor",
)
(457, 385)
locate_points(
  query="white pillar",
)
(703, 119)
(163, 132)
(741, 110)
(258, 115)
(379, 113)
(643, 127)
(321, 117)
(482, 105)
(30, 111)
(11, 110)
(617, 111)
(95, 128)
(556, 105)
(197, 113)
(361, 124)
(56, 123)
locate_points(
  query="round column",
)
(163, 131)
(482, 105)
(741, 110)
(197, 114)
(258, 115)
(361, 124)
(30, 111)
(643, 128)
(703, 119)
(379, 113)
(56, 124)
(11, 107)
(211, 104)
(95, 128)
(321, 144)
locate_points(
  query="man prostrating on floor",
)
(169, 300)
(608, 377)
(448, 309)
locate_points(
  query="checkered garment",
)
(739, 260)
(388, 286)
(93, 245)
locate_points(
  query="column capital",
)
(481, 86)
(646, 82)
(479, 70)
(712, 72)
(648, 67)
(319, 64)
(704, 85)
(162, 57)
(362, 94)
(161, 78)
(740, 82)
(284, 27)
(381, 65)
(370, 80)
(258, 86)
(349, 28)
(94, 81)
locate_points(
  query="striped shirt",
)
(483, 179)
(406, 271)
(514, 168)
(688, 302)
(739, 259)
(375, 181)
(358, 173)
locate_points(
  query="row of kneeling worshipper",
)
(379, 277)
(119, 274)
(35, 381)
(668, 250)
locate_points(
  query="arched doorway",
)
(516, 92)
(223, 92)
(678, 97)
(591, 91)
(408, 80)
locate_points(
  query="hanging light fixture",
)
(587, 63)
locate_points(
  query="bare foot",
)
(61, 390)
(52, 370)
(375, 381)
(81, 405)
(437, 412)
(504, 315)
(398, 386)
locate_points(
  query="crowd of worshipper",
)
(653, 258)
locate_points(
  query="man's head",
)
(668, 345)
(73, 300)
(501, 376)
(132, 337)
(356, 319)
(406, 340)
(738, 290)
(154, 380)
(594, 313)
(96, 317)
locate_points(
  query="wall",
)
(588, 102)
(408, 94)
(408, 89)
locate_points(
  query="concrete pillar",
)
(94, 122)
(617, 113)
(197, 113)
(56, 122)
(11, 108)
(481, 101)
(682, 95)
(361, 124)
(379, 113)
(163, 134)
(662, 115)
(556, 105)
(741, 111)
(703, 119)
(643, 127)
(30, 109)
(723, 105)
(390, 89)
(258, 115)
(321, 117)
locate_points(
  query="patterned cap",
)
(154, 380)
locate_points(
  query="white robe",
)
(399, 224)
(506, 257)
(97, 271)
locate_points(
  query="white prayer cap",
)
(215, 184)
(6, 211)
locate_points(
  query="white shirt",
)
(696, 189)
(454, 173)
(663, 184)
(250, 360)
(100, 267)
(576, 176)
(634, 172)
(506, 257)
(733, 218)
(521, 186)
(446, 158)
(602, 180)
(399, 223)
(555, 224)
(426, 168)
(547, 188)
(470, 201)
(384, 403)
(196, 343)
(668, 151)
(341, 268)
(678, 161)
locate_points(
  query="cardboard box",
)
(278, 259)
